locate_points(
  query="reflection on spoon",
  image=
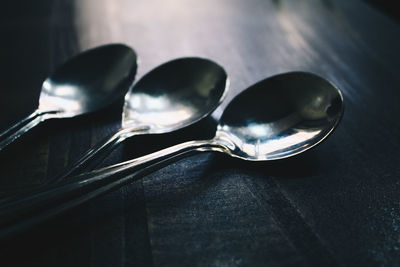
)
(274, 119)
(86, 83)
(171, 96)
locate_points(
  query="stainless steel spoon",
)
(274, 119)
(171, 96)
(86, 83)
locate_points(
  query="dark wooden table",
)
(338, 204)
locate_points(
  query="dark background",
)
(338, 204)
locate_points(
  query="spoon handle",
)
(22, 212)
(21, 127)
(93, 157)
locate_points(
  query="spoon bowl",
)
(175, 94)
(90, 81)
(86, 83)
(280, 117)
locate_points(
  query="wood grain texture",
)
(336, 205)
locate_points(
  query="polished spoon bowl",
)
(174, 95)
(274, 119)
(86, 83)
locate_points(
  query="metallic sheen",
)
(276, 118)
(172, 96)
(86, 83)
(280, 117)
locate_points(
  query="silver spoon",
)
(172, 96)
(274, 119)
(86, 83)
